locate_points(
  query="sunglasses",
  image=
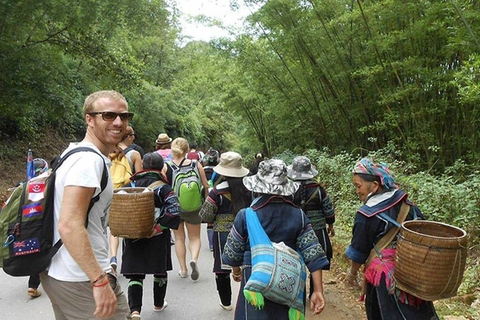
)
(111, 116)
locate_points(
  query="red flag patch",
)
(36, 190)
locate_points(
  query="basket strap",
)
(156, 184)
(390, 235)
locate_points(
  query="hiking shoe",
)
(34, 293)
(228, 308)
(158, 309)
(195, 274)
(182, 274)
(113, 264)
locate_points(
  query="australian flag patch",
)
(32, 210)
(28, 246)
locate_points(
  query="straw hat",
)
(271, 178)
(163, 138)
(301, 169)
(231, 165)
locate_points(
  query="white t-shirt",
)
(83, 169)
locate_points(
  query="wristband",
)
(100, 277)
(101, 284)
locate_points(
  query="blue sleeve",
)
(362, 240)
(310, 249)
(236, 241)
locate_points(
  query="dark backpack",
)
(193, 155)
(27, 222)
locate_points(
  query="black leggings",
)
(224, 288)
(135, 291)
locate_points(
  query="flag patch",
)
(36, 190)
(32, 210)
(28, 246)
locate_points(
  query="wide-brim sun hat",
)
(271, 178)
(301, 169)
(163, 138)
(231, 165)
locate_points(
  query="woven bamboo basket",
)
(132, 213)
(430, 259)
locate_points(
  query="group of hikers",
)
(284, 202)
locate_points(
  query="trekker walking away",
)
(209, 161)
(312, 197)
(134, 159)
(383, 203)
(281, 221)
(151, 255)
(78, 281)
(194, 154)
(220, 208)
(163, 146)
(187, 178)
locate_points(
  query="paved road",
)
(187, 300)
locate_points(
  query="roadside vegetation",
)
(452, 198)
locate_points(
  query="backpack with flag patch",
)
(27, 222)
(187, 185)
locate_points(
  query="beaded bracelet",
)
(351, 276)
(237, 274)
(100, 277)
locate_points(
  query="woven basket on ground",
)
(430, 259)
(132, 213)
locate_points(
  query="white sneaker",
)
(228, 308)
(195, 274)
(158, 309)
(182, 275)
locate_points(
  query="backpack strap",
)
(312, 196)
(174, 166)
(129, 148)
(156, 184)
(103, 182)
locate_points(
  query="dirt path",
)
(341, 302)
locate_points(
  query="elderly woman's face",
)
(364, 188)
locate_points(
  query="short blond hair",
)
(89, 103)
(180, 147)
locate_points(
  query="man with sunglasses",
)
(79, 280)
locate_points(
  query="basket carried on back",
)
(132, 213)
(430, 259)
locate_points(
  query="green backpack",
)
(187, 186)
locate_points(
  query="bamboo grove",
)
(339, 75)
(364, 74)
